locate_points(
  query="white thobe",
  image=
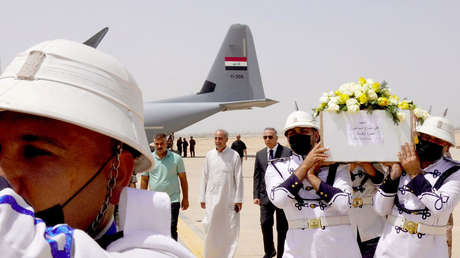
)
(333, 241)
(221, 188)
(23, 235)
(396, 241)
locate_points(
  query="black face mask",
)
(52, 216)
(55, 214)
(428, 151)
(300, 143)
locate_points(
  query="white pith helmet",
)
(77, 84)
(300, 119)
(439, 127)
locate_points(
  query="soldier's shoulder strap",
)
(278, 159)
(331, 174)
(444, 176)
(274, 161)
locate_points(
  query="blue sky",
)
(304, 47)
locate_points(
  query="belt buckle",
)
(314, 223)
(357, 202)
(411, 226)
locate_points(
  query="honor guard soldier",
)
(420, 194)
(71, 135)
(366, 223)
(314, 197)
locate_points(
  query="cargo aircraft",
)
(233, 83)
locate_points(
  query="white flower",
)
(420, 113)
(352, 105)
(334, 100)
(358, 93)
(394, 100)
(346, 88)
(371, 94)
(352, 101)
(386, 92)
(324, 98)
(401, 116)
(367, 86)
(332, 107)
(353, 108)
(330, 94)
(355, 86)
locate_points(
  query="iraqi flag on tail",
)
(236, 63)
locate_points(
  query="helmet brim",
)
(438, 134)
(72, 105)
(301, 125)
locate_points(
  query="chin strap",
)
(111, 184)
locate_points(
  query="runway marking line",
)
(189, 238)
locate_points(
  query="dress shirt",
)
(274, 151)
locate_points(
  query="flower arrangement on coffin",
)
(368, 95)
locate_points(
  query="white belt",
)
(414, 227)
(320, 222)
(360, 202)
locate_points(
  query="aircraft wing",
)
(235, 105)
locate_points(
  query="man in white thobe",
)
(221, 195)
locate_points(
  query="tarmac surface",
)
(250, 244)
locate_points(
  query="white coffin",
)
(364, 136)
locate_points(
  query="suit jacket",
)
(260, 166)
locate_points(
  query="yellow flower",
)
(337, 93)
(376, 86)
(362, 81)
(317, 111)
(403, 105)
(321, 107)
(363, 99)
(343, 98)
(415, 140)
(383, 102)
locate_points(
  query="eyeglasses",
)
(268, 137)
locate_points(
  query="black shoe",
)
(273, 255)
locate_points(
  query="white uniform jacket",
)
(23, 235)
(300, 202)
(362, 215)
(419, 201)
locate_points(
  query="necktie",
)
(270, 154)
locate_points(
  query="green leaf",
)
(393, 112)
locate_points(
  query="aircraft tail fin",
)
(235, 72)
(96, 39)
(234, 76)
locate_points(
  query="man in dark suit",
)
(267, 209)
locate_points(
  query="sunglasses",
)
(268, 137)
